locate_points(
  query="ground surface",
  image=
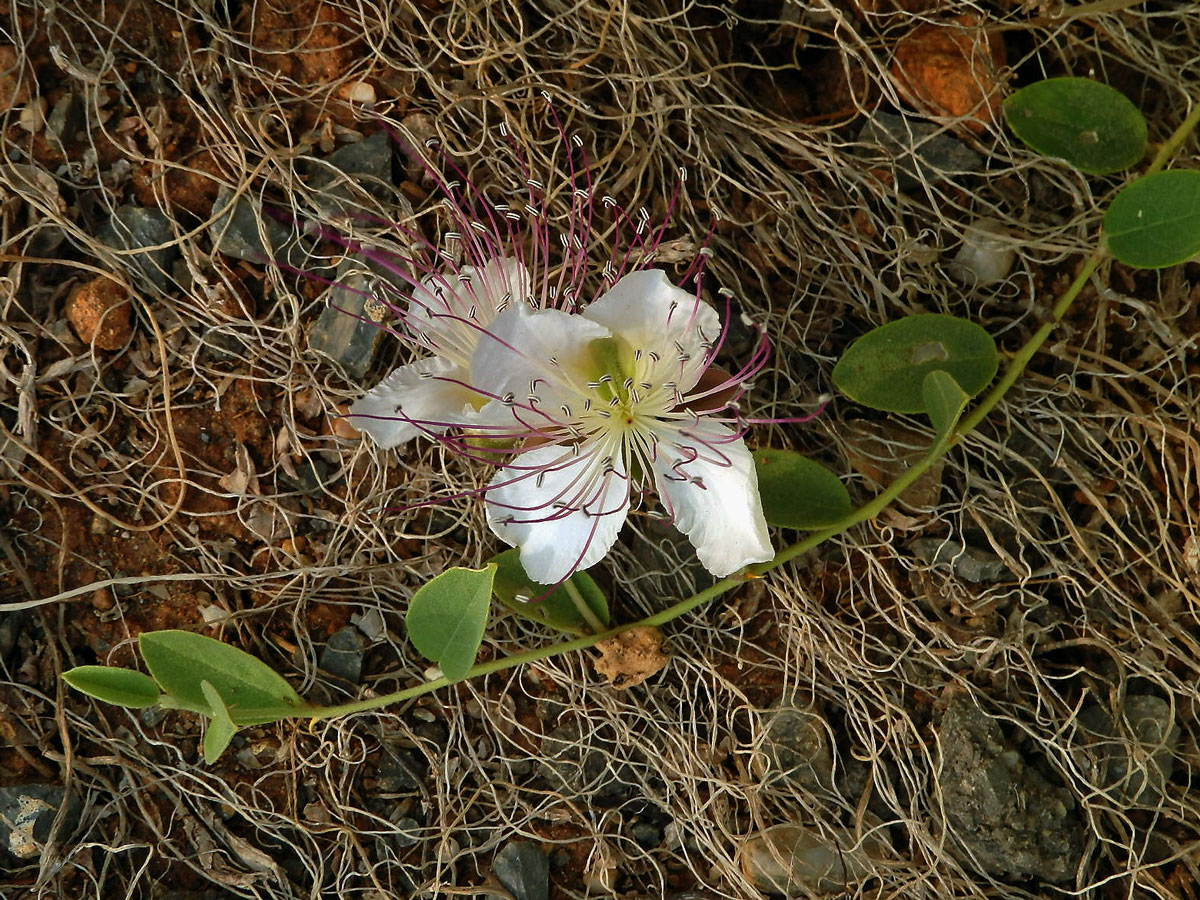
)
(990, 691)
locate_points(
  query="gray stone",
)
(363, 165)
(343, 654)
(1011, 820)
(238, 231)
(135, 228)
(1135, 761)
(796, 743)
(920, 151)
(796, 861)
(968, 563)
(313, 477)
(647, 835)
(27, 812)
(401, 773)
(524, 870)
(349, 328)
(582, 765)
(407, 833)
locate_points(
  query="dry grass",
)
(1084, 482)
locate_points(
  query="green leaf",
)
(1092, 126)
(121, 687)
(797, 492)
(220, 730)
(253, 691)
(886, 368)
(1155, 222)
(446, 618)
(944, 401)
(558, 609)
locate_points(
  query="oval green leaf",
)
(220, 730)
(447, 615)
(886, 368)
(558, 609)
(253, 692)
(797, 492)
(120, 687)
(944, 401)
(1155, 222)
(1092, 126)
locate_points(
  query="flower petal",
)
(419, 398)
(544, 354)
(448, 310)
(563, 509)
(706, 478)
(650, 313)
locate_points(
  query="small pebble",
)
(101, 314)
(341, 427)
(358, 92)
(986, 255)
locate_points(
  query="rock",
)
(101, 314)
(343, 654)
(1012, 822)
(236, 231)
(646, 835)
(796, 744)
(583, 766)
(403, 772)
(350, 326)
(986, 255)
(26, 813)
(920, 151)
(1135, 761)
(313, 477)
(524, 870)
(135, 228)
(952, 69)
(363, 165)
(16, 79)
(796, 861)
(968, 563)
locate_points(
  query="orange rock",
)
(952, 70)
(341, 427)
(101, 314)
(14, 79)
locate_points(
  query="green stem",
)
(582, 607)
(1173, 143)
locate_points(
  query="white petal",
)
(650, 313)
(563, 510)
(546, 346)
(502, 282)
(448, 310)
(721, 513)
(425, 392)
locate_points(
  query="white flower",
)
(445, 315)
(609, 403)
(591, 408)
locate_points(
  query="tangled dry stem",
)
(1084, 484)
